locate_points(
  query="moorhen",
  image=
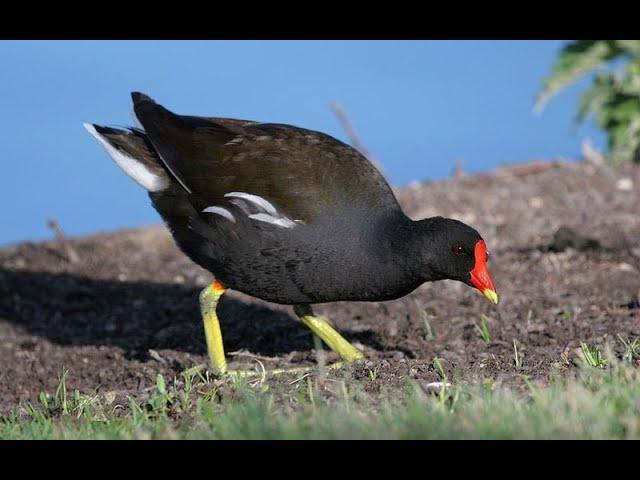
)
(285, 214)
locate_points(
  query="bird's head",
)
(456, 251)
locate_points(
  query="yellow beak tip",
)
(491, 295)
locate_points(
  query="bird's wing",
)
(265, 168)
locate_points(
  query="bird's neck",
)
(402, 248)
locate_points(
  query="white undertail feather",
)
(132, 167)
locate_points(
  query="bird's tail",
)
(134, 154)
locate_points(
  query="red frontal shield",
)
(480, 277)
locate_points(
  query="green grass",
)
(427, 326)
(517, 356)
(598, 402)
(483, 329)
(592, 356)
(632, 348)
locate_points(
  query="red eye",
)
(458, 250)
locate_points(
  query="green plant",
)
(427, 326)
(424, 316)
(632, 348)
(614, 96)
(59, 400)
(445, 394)
(592, 356)
(161, 399)
(517, 357)
(483, 329)
(440, 369)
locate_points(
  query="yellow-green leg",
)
(328, 334)
(209, 298)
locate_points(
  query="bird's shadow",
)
(137, 316)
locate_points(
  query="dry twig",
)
(351, 134)
(72, 254)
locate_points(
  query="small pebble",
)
(625, 184)
(535, 202)
(156, 356)
(110, 397)
(434, 387)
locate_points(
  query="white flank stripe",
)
(132, 167)
(256, 200)
(279, 221)
(241, 205)
(220, 211)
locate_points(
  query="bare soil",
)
(564, 239)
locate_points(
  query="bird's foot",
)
(233, 374)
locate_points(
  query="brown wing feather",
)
(303, 173)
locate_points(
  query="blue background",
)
(418, 107)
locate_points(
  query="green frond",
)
(575, 60)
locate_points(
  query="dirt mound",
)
(126, 308)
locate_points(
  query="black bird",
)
(285, 214)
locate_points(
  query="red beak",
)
(480, 278)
